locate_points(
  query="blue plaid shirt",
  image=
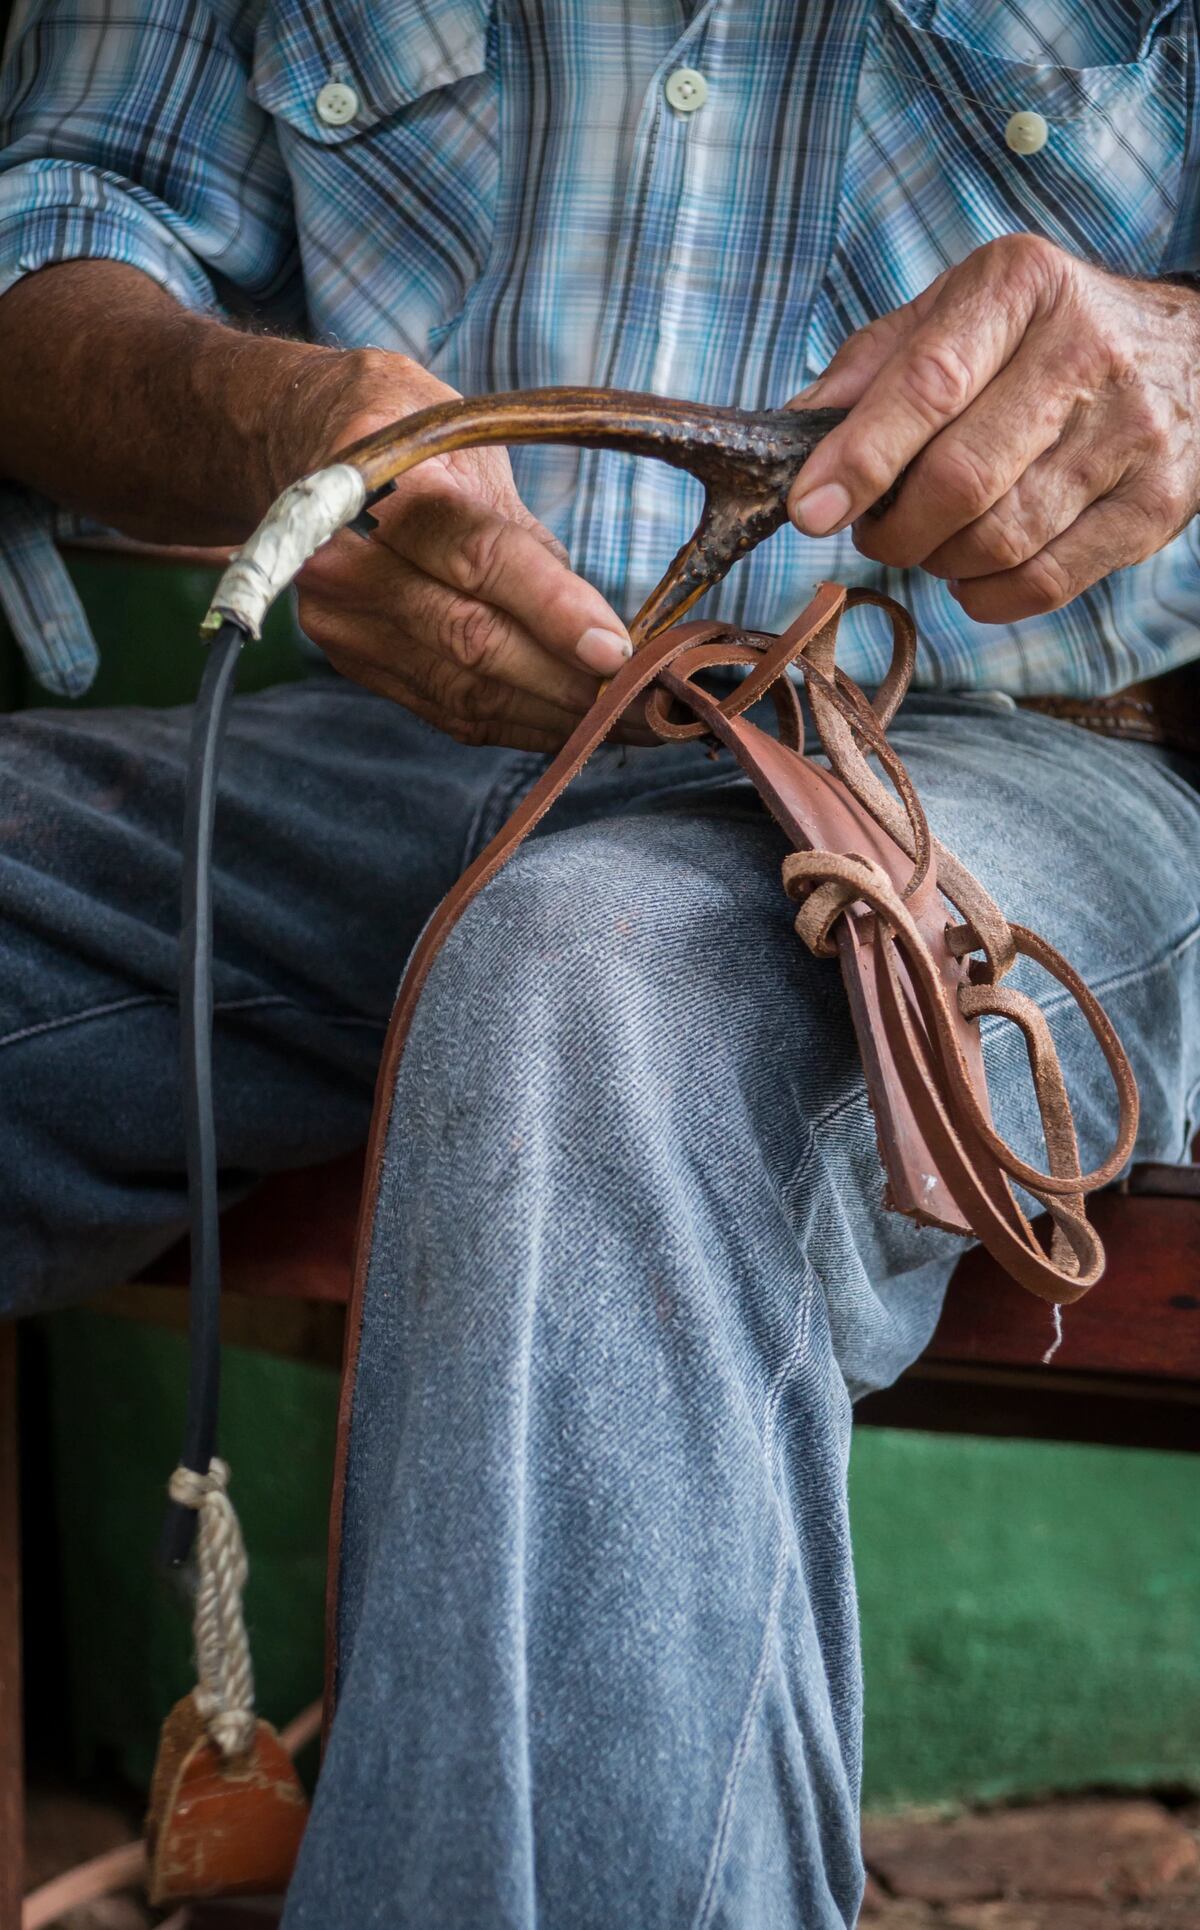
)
(504, 190)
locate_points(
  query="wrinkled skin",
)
(1042, 408)
(463, 606)
(1046, 412)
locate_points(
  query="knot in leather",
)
(827, 883)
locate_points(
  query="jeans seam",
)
(717, 1853)
(141, 999)
(799, 1337)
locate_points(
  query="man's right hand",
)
(462, 606)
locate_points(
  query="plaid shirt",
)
(505, 190)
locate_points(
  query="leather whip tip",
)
(221, 1828)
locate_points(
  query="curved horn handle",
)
(746, 459)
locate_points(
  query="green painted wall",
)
(145, 618)
(114, 1426)
(1030, 1614)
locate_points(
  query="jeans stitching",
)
(783, 1377)
(142, 999)
(716, 1859)
(720, 1842)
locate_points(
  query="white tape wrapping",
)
(294, 528)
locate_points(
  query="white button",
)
(686, 89)
(337, 103)
(1027, 133)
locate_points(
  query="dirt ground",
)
(1087, 1864)
(1095, 1863)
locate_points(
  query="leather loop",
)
(827, 884)
(832, 882)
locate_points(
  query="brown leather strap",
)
(1161, 710)
(872, 883)
(941, 1082)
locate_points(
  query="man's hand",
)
(1047, 415)
(462, 606)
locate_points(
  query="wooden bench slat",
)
(1128, 1369)
(1141, 1319)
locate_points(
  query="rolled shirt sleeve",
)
(130, 136)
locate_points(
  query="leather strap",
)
(871, 883)
(1161, 710)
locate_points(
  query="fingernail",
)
(822, 509)
(603, 651)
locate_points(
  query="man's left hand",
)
(1046, 413)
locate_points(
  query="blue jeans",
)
(599, 1658)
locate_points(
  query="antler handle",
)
(746, 459)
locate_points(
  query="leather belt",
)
(1162, 710)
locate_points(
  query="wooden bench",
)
(1127, 1372)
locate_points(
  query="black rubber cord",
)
(195, 1011)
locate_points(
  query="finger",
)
(513, 734)
(964, 340)
(502, 496)
(392, 599)
(1109, 536)
(857, 363)
(427, 681)
(544, 536)
(468, 708)
(976, 463)
(1051, 495)
(488, 558)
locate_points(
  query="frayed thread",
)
(1056, 1343)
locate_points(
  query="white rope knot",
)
(189, 1488)
(225, 1679)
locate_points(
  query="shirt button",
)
(686, 90)
(1027, 133)
(336, 103)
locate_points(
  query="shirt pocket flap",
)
(389, 52)
(982, 75)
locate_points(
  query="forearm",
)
(171, 426)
